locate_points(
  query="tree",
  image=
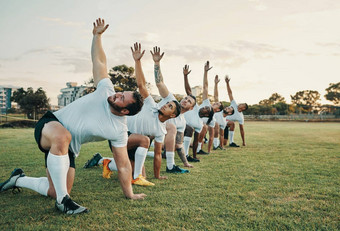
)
(306, 100)
(333, 93)
(273, 99)
(122, 78)
(30, 102)
(276, 98)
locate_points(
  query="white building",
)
(197, 90)
(5, 98)
(70, 93)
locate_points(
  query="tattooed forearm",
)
(158, 74)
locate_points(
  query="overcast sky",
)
(265, 46)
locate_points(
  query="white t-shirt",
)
(179, 121)
(220, 119)
(89, 119)
(205, 103)
(237, 116)
(193, 120)
(146, 122)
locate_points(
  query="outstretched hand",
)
(186, 70)
(140, 196)
(156, 55)
(206, 66)
(217, 80)
(227, 79)
(137, 54)
(99, 27)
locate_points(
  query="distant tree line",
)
(122, 77)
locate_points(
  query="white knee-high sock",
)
(58, 167)
(199, 147)
(231, 137)
(112, 165)
(101, 161)
(140, 156)
(170, 159)
(216, 142)
(40, 185)
(186, 144)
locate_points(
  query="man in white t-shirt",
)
(220, 118)
(97, 116)
(175, 126)
(150, 121)
(194, 121)
(217, 106)
(236, 116)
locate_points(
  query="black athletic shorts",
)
(131, 152)
(48, 117)
(226, 133)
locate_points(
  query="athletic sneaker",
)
(10, 183)
(218, 148)
(70, 207)
(140, 180)
(234, 145)
(93, 161)
(203, 152)
(176, 169)
(106, 170)
(192, 159)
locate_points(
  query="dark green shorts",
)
(48, 117)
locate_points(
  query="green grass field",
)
(286, 178)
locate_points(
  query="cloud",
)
(259, 5)
(237, 53)
(331, 45)
(61, 21)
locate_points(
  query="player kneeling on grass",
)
(97, 116)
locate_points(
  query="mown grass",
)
(286, 178)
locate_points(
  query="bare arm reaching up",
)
(137, 54)
(157, 56)
(205, 81)
(99, 68)
(230, 93)
(186, 72)
(217, 80)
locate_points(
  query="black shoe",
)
(203, 152)
(70, 207)
(10, 183)
(176, 169)
(205, 140)
(218, 148)
(93, 161)
(233, 145)
(192, 159)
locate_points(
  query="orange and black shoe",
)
(106, 170)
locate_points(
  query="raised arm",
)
(205, 81)
(217, 80)
(137, 54)
(99, 68)
(157, 56)
(230, 93)
(186, 72)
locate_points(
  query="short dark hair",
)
(136, 106)
(221, 106)
(178, 108)
(211, 115)
(193, 97)
(246, 106)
